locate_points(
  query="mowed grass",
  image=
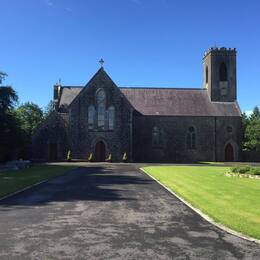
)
(232, 201)
(11, 181)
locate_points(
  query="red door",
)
(100, 151)
(229, 153)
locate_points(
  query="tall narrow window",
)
(157, 137)
(207, 75)
(223, 72)
(101, 106)
(111, 118)
(191, 138)
(91, 117)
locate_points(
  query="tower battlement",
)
(220, 51)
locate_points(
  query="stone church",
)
(148, 124)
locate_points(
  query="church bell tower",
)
(219, 69)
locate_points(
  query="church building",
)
(148, 124)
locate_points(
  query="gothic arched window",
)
(91, 117)
(101, 107)
(223, 72)
(207, 75)
(191, 138)
(111, 118)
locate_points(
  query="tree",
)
(256, 113)
(30, 116)
(251, 130)
(2, 76)
(49, 108)
(252, 134)
(10, 132)
(8, 99)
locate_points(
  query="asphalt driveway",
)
(110, 211)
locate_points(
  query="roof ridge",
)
(72, 86)
(182, 88)
(162, 88)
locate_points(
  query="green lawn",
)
(11, 181)
(232, 201)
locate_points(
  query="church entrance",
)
(100, 151)
(229, 153)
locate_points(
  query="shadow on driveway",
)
(82, 184)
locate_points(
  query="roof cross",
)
(101, 62)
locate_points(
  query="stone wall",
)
(52, 132)
(83, 140)
(211, 138)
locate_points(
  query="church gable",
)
(98, 103)
(99, 81)
(99, 119)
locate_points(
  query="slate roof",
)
(68, 93)
(166, 101)
(178, 102)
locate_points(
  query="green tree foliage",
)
(10, 131)
(256, 113)
(30, 116)
(251, 126)
(49, 109)
(17, 125)
(8, 99)
(2, 76)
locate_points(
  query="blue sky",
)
(153, 43)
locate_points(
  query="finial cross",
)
(101, 62)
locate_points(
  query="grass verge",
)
(233, 202)
(12, 181)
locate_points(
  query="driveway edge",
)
(203, 215)
(33, 185)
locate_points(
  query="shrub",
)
(254, 171)
(235, 169)
(90, 157)
(109, 158)
(245, 170)
(125, 157)
(240, 169)
(69, 156)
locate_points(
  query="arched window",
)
(223, 72)
(91, 117)
(111, 118)
(101, 107)
(207, 75)
(191, 138)
(157, 138)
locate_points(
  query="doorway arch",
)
(229, 153)
(100, 151)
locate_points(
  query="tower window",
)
(191, 138)
(223, 72)
(207, 75)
